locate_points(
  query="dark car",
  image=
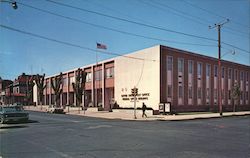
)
(13, 114)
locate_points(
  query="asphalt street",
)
(55, 135)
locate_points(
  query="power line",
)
(230, 31)
(172, 10)
(130, 21)
(210, 12)
(112, 9)
(69, 44)
(236, 47)
(236, 30)
(191, 17)
(112, 29)
(183, 14)
(141, 24)
(161, 4)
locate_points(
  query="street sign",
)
(161, 107)
(167, 107)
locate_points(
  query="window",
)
(199, 69)
(180, 65)
(208, 93)
(190, 92)
(241, 75)
(53, 81)
(246, 95)
(169, 63)
(180, 91)
(222, 93)
(235, 75)
(47, 85)
(98, 75)
(215, 71)
(71, 80)
(190, 67)
(199, 93)
(208, 70)
(64, 81)
(169, 91)
(229, 73)
(223, 72)
(215, 94)
(89, 77)
(229, 94)
(109, 72)
(246, 76)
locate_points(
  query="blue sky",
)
(20, 52)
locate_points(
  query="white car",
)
(55, 109)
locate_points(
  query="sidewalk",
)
(125, 115)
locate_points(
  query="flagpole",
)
(96, 92)
(99, 46)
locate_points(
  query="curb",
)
(153, 119)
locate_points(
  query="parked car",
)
(18, 104)
(55, 109)
(13, 114)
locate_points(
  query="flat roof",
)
(203, 56)
(160, 46)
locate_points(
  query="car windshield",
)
(12, 109)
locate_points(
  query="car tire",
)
(26, 120)
(1, 120)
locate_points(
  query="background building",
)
(188, 81)
(17, 91)
(3, 85)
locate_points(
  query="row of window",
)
(199, 83)
(208, 69)
(199, 93)
(199, 68)
(109, 73)
(20, 89)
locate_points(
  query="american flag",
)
(101, 46)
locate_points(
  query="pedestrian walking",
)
(144, 107)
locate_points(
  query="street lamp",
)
(230, 52)
(13, 3)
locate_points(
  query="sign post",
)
(134, 92)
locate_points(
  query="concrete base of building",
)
(205, 108)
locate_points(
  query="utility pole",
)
(219, 25)
(96, 80)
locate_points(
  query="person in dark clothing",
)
(144, 108)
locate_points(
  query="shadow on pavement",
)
(20, 124)
(12, 126)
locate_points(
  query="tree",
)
(56, 86)
(40, 87)
(79, 85)
(29, 92)
(236, 92)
